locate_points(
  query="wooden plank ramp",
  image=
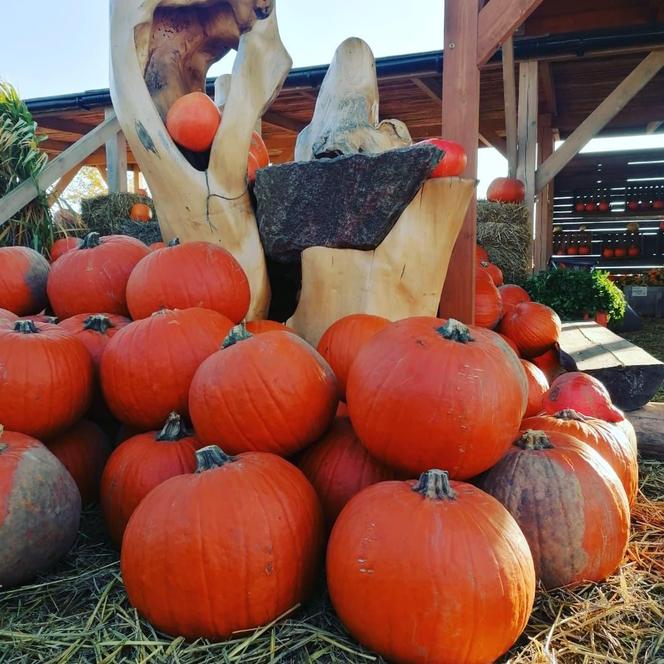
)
(631, 375)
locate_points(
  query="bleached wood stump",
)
(402, 277)
(162, 49)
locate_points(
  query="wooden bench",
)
(631, 375)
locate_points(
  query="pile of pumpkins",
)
(435, 468)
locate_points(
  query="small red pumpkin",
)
(607, 252)
(23, 276)
(160, 281)
(387, 558)
(63, 245)
(343, 340)
(534, 327)
(620, 252)
(140, 212)
(138, 465)
(583, 393)
(494, 271)
(569, 504)
(488, 305)
(47, 379)
(242, 537)
(339, 466)
(453, 163)
(633, 251)
(40, 508)
(538, 386)
(192, 121)
(83, 450)
(506, 190)
(511, 295)
(94, 277)
(95, 331)
(429, 393)
(277, 394)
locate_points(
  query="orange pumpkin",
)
(156, 245)
(509, 342)
(140, 212)
(160, 281)
(138, 465)
(391, 546)
(534, 327)
(549, 363)
(94, 277)
(343, 340)
(261, 326)
(338, 467)
(429, 393)
(481, 254)
(94, 331)
(538, 386)
(7, 318)
(569, 504)
(488, 306)
(277, 394)
(187, 529)
(494, 271)
(581, 392)
(63, 245)
(506, 190)
(83, 451)
(608, 439)
(23, 276)
(192, 121)
(47, 379)
(512, 295)
(147, 366)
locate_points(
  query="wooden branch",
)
(549, 88)
(29, 190)
(509, 93)
(600, 117)
(402, 277)
(498, 20)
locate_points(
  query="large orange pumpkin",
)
(270, 393)
(511, 295)
(608, 439)
(538, 386)
(419, 570)
(83, 451)
(569, 504)
(429, 393)
(488, 305)
(147, 366)
(47, 379)
(242, 537)
(138, 465)
(343, 340)
(94, 331)
(581, 392)
(39, 509)
(534, 327)
(195, 274)
(94, 277)
(339, 466)
(262, 326)
(23, 276)
(63, 245)
(193, 120)
(140, 212)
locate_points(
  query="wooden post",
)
(137, 179)
(509, 92)
(542, 248)
(116, 160)
(461, 112)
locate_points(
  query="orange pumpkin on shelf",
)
(572, 250)
(608, 252)
(23, 278)
(633, 251)
(620, 252)
(192, 121)
(140, 212)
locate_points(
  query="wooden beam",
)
(47, 123)
(509, 93)
(653, 126)
(18, 198)
(490, 139)
(62, 184)
(549, 88)
(461, 112)
(498, 20)
(104, 174)
(428, 88)
(283, 122)
(543, 241)
(600, 117)
(137, 179)
(116, 160)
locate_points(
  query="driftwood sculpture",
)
(161, 50)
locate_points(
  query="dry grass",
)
(81, 614)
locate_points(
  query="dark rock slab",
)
(348, 202)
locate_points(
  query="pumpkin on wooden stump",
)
(94, 276)
(63, 245)
(40, 508)
(147, 366)
(512, 295)
(47, 379)
(339, 466)
(604, 437)
(83, 450)
(569, 504)
(192, 121)
(187, 528)
(581, 392)
(343, 340)
(23, 277)
(441, 563)
(94, 331)
(538, 386)
(428, 393)
(181, 276)
(534, 327)
(262, 326)
(141, 463)
(269, 393)
(488, 305)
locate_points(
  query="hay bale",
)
(109, 215)
(504, 231)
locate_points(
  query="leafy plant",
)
(575, 293)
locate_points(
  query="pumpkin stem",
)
(174, 242)
(174, 429)
(453, 330)
(238, 333)
(534, 440)
(569, 414)
(90, 241)
(98, 322)
(211, 457)
(435, 485)
(25, 327)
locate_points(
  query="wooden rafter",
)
(430, 89)
(49, 123)
(62, 184)
(283, 122)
